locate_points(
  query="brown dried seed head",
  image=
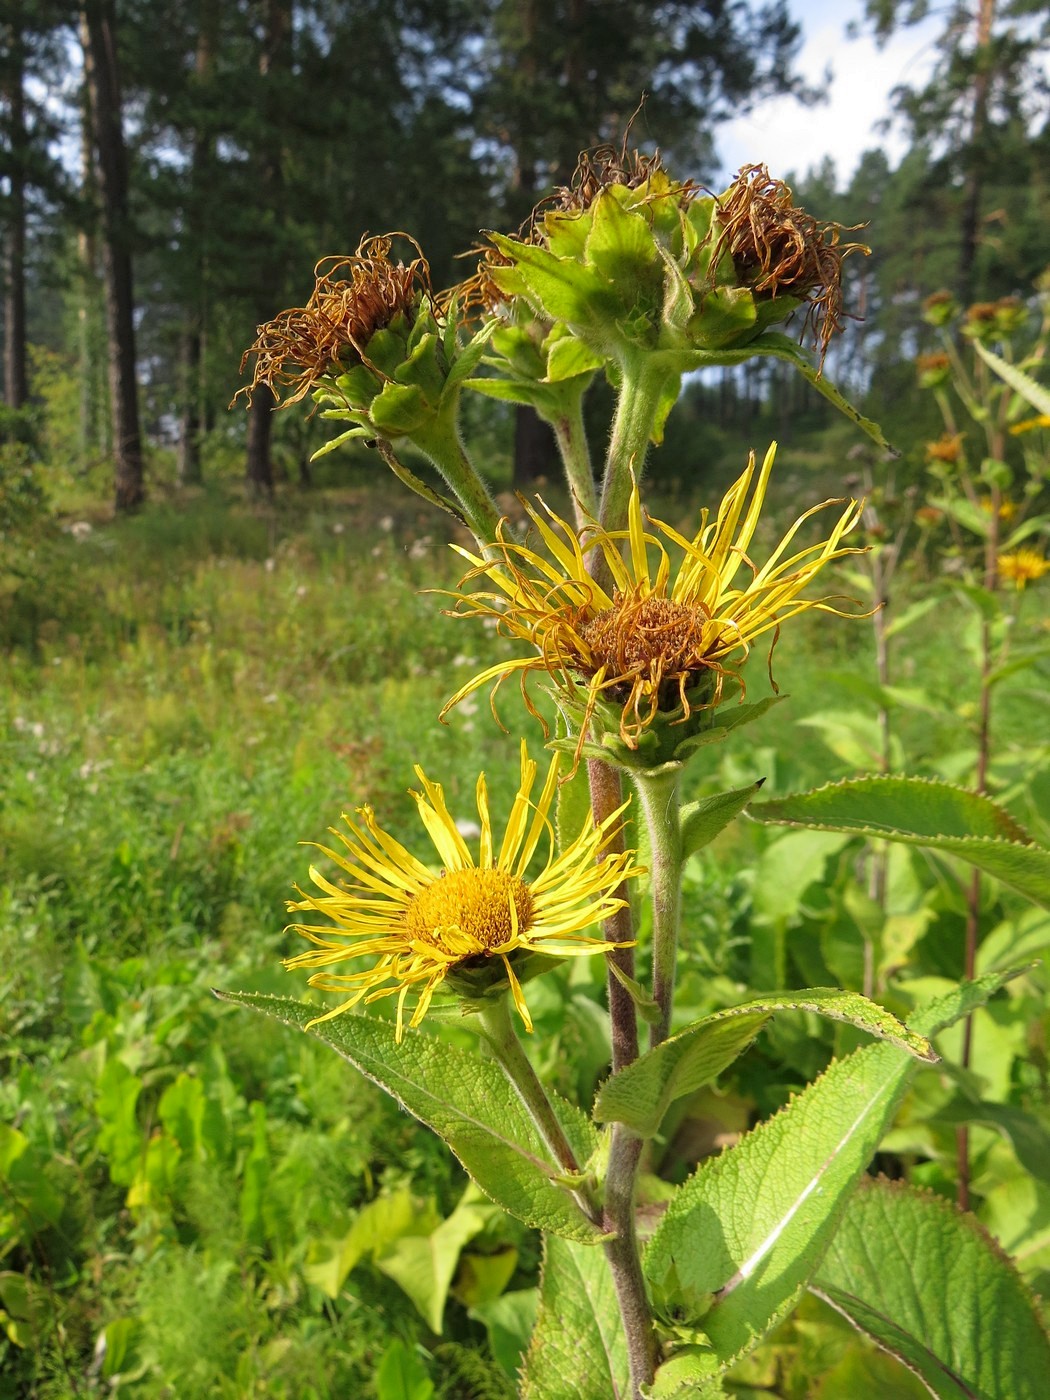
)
(353, 297)
(782, 251)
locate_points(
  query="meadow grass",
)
(186, 695)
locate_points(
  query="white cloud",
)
(791, 138)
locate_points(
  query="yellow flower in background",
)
(466, 924)
(649, 640)
(1022, 567)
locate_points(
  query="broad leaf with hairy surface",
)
(640, 1094)
(927, 1284)
(923, 812)
(468, 1101)
(742, 1238)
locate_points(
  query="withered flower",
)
(948, 449)
(353, 298)
(780, 250)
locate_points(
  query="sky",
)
(790, 138)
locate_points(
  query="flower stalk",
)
(661, 803)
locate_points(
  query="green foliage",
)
(728, 1261)
(919, 812)
(468, 1101)
(578, 1340)
(917, 1275)
(640, 1094)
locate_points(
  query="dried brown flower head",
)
(780, 250)
(353, 297)
(932, 364)
(948, 449)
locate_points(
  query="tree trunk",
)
(16, 388)
(192, 340)
(274, 56)
(188, 464)
(98, 33)
(260, 430)
(971, 213)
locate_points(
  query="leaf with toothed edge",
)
(578, 1347)
(640, 1094)
(468, 1101)
(922, 812)
(743, 1237)
(928, 1285)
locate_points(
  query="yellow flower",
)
(467, 924)
(648, 641)
(1022, 567)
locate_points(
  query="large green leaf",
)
(741, 1239)
(704, 819)
(578, 1347)
(923, 812)
(928, 1285)
(468, 1101)
(423, 1264)
(640, 1094)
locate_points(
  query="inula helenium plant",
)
(633, 643)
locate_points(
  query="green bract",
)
(407, 383)
(641, 270)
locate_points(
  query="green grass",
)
(186, 695)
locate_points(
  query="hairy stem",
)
(576, 459)
(606, 797)
(441, 442)
(662, 807)
(625, 1263)
(499, 1030)
(637, 407)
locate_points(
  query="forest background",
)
(211, 643)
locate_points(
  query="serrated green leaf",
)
(704, 819)
(727, 719)
(468, 1101)
(687, 1376)
(927, 1284)
(923, 812)
(578, 1347)
(743, 1236)
(782, 348)
(640, 1094)
(1023, 384)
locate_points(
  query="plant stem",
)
(606, 797)
(662, 806)
(644, 382)
(576, 459)
(973, 893)
(624, 1261)
(441, 442)
(499, 1030)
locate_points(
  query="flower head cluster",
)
(471, 927)
(353, 298)
(631, 260)
(648, 640)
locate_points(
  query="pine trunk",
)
(16, 387)
(98, 30)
